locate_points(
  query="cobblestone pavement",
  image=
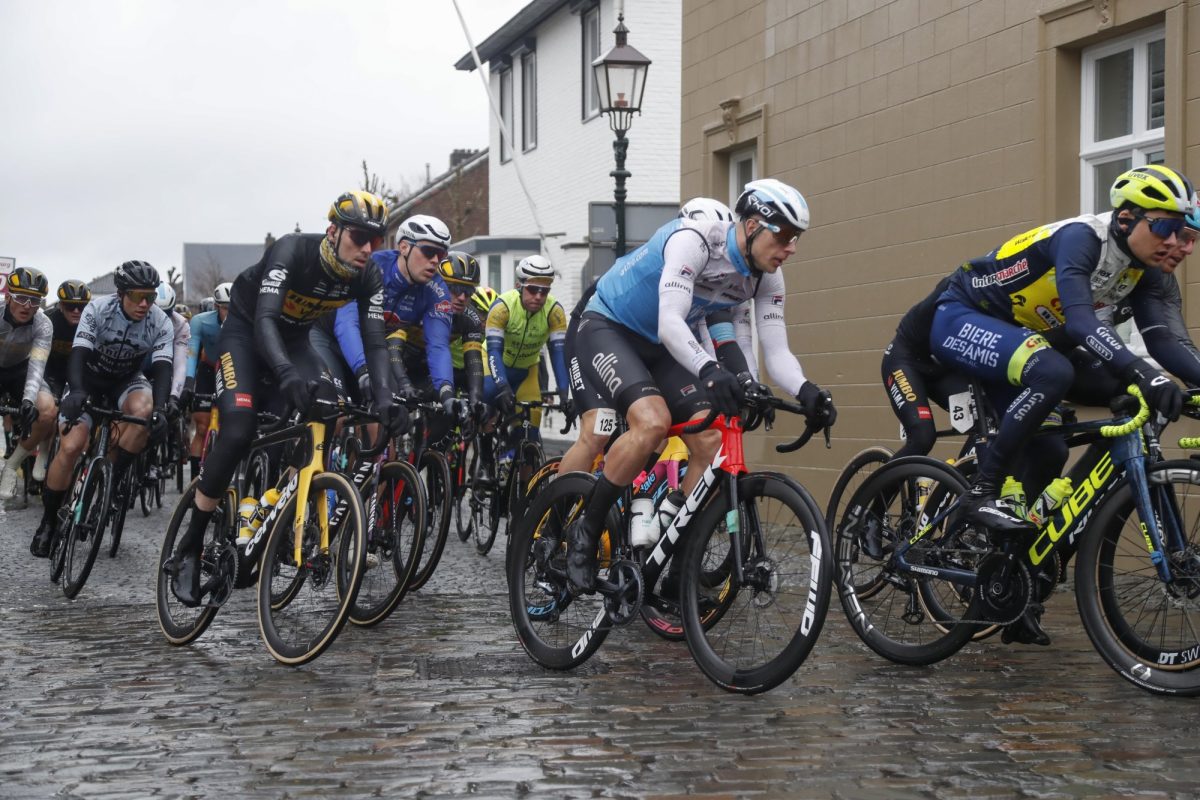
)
(440, 701)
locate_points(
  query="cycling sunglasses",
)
(784, 239)
(139, 296)
(26, 300)
(432, 252)
(361, 238)
(1164, 227)
(459, 289)
(72, 306)
(536, 291)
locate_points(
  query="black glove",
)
(568, 409)
(753, 388)
(187, 393)
(1160, 392)
(174, 407)
(27, 416)
(448, 400)
(364, 384)
(724, 391)
(71, 406)
(157, 426)
(405, 389)
(480, 411)
(817, 404)
(505, 401)
(296, 392)
(395, 418)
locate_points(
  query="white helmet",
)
(706, 209)
(424, 228)
(534, 267)
(165, 297)
(221, 293)
(774, 201)
(207, 304)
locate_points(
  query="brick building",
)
(458, 197)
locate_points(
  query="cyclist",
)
(207, 304)
(201, 376)
(182, 310)
(1064, 278)
(73, 296)
(636, 348)
(116, 332)
(25, 336)
(519, 324)
(273, 304)
(591, 441)
(165, 299)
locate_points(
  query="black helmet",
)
(74, 292)
(459, 267)
(135, 275)
(24, 280)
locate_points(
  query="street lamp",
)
(621, 80)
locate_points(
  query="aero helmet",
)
(74, 292)
(1153, 186)
(774, 201)
(359, 209)
(706, 209)
(424, 228)
(135, 275)
(165, 299)
(27, 281)
(460, 268)
(532, 267)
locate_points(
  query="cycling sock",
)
(604, 497)
(194, 461)
(51, 501)
(193, 538)
(18, 455)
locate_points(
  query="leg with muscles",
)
(70, 447)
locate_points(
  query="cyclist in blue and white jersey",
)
(116, 333)
(635, 344)
(200, 375)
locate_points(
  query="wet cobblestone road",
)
(440, 701)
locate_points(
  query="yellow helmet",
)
(1153, 186)
(359, 209)
(484, 297)
(460, 268)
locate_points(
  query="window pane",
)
(529, 101)
(1158, 84)
(1114, 95)
(506, 112)
(493, 271)
(1105, 174)
(1156, 157)
(591, 51)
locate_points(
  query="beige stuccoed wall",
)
(923, 133)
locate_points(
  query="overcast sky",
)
(128, 127)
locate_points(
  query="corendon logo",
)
(606, 367)
(1071, 510)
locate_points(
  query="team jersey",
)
(180, 342)
(289, 289)
(689, 270)
(915, 324)
(62, 337)
(25, 343)
(206, 328)
(1067, 275)
(466, 344)
(118, 345)
(524, 334)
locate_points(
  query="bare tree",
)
(462, 204)
(207, 276)
(377, 186)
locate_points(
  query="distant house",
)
(206, 265)
(539, 66)
(458, 197)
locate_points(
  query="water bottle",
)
(258, 511)
(667, 511)
(642, 522)
(1013, 493)
(1049, 500)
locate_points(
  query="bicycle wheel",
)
(486, 491)
(394, 538)
(463, 490)
(218, 571)
(1146, 629)
(145, 497)
(539, 480)
(861, 467)
(122, 497)
(436, 473)
(771, 617)
(557, 629)
(85, 527)
(317, 604)
(888, 607)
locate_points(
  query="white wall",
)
(570, 165)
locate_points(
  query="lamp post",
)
(621, 80)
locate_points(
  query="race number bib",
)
(962, 411)
(606, 422)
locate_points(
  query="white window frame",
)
(528, 101)
(1142, 141)
(590, 99)
(506, 114)
(737, 158)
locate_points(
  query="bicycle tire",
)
(181, 624)
(856, 471)
(540, 479)
(301, 629)
(884, 605)
(558, 630)
(464, 491)
(764, 631)
(141, 467)
(1144, 629)
(393, 542)
(438, 500)
(118, 510)
(485, 504)
(86, 527)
